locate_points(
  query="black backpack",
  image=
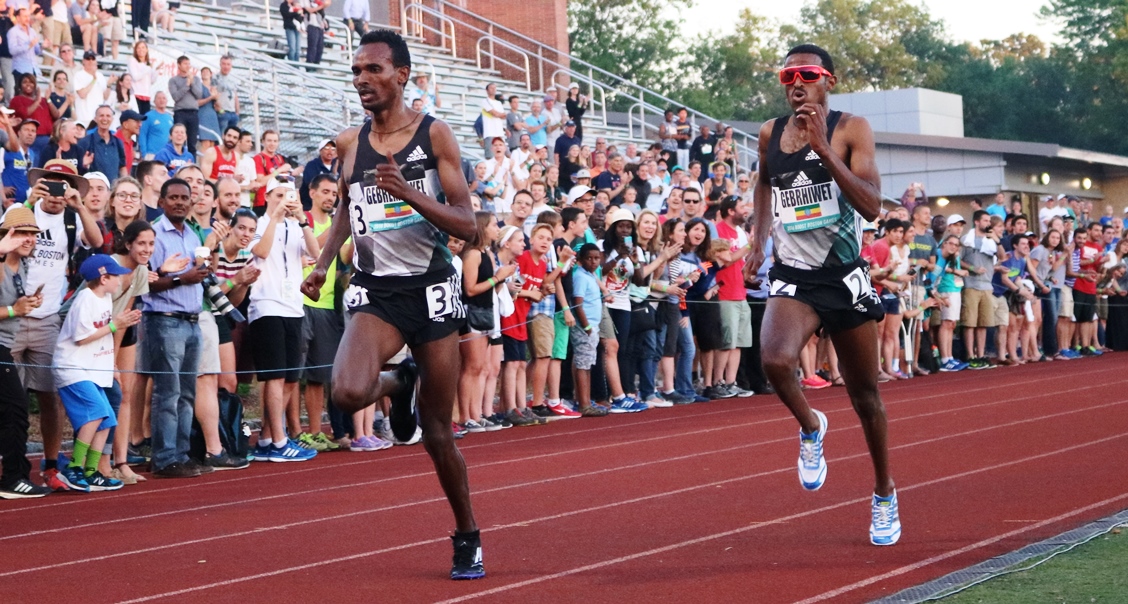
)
(234, 433)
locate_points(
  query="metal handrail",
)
(592, 85)
(420, 25)
(494, 56)
(751, 149)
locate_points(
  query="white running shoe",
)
(812, 464)
(885, 527)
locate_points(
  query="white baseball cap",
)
(92, 176)
(954, 218)
(274, 183)
(327, 141)
(577, 192)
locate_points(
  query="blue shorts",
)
(86, 402)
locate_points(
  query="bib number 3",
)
(443, 299)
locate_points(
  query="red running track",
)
(698, 502)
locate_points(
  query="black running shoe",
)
(467, 557)
(402, 416)
(24, 489)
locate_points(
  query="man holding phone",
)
(65, 225)
(276, 312)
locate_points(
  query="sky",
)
(965, 20)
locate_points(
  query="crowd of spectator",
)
(152, 261)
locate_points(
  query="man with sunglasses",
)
(817, 182)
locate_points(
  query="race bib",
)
(445, 299)
(806, 199)
(355, 296)
(858, 282)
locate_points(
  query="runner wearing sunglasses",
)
(817, 183)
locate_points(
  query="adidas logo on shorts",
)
(417, 154)
(801, 180)
(812, 156)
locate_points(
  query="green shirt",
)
(328, 290)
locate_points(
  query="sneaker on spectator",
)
(541, 411)
(570, 404)
(306, 440)
(488, 425)
(500, 419)
(260, 453)
(977, 363)
(814, 383)
(627, 405)
(658, 402)
(325, 440)
(24, 489)
(560, 411)
(414, 440)
(739, 392)
(473, 426)
(533, 417)
(97, 482)
(290, 452)
(594, 411)
(52, 481)
(1096, 352)
(697, 398)
(362, 443)
(515, 417)
(384, 429)
(133, 455)
(379, 444)
(949, 366)
(223, 461)
(459, 431)
(716, 392)
(202, 468)
(72, 477)
(176, 470)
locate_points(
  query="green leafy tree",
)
(733, 76)
(638, 40)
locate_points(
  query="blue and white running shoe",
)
(260, 453)
(291, 452)
(626, 405)
(885, 528)
(812, 464)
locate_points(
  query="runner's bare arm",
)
(860, 181)
(761, 204)
(341, 227)
(456, 216)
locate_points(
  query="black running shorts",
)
(843, 297)
(421, 313)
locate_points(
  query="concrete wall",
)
(944, 172)
(909, 110)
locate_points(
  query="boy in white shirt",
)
(85, 370)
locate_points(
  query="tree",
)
(733, 76)
(630, 38)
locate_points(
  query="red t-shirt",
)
(20, 104)
(878, 256)
(128, 144)
(1091, 257)
(265, 165)
(730, 279)
(531, 276)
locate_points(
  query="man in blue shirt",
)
(171, 346)
(176, 153)
(324, 163)
(18, 159)
(156, 127)
(536, 124)
(999, 208)
(107, 149)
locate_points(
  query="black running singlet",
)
(813, 226)
(391, 240)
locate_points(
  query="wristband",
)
(230, 284)
(11, 313)
(559, 265)
(113, 328)
(492, 282)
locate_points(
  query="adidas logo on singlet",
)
(417, 154)
(812, 156)
(801, 180)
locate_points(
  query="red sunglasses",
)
(808, 73)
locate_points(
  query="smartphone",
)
(39, 290)
(56, 188)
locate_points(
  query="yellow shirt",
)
(328, 290)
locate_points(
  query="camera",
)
(55, 188)
(499, 97)
(219, 299)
